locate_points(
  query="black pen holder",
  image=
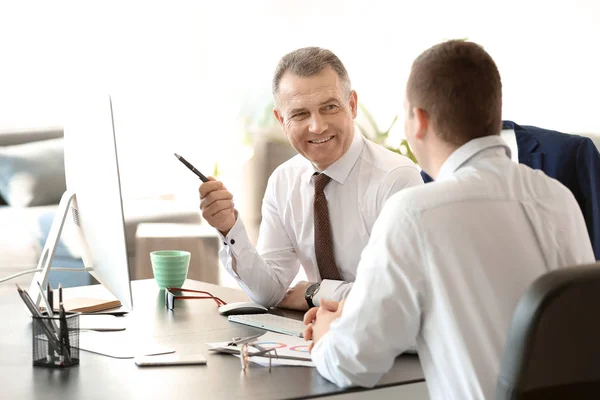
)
(56, 342)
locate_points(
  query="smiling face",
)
(317, 114)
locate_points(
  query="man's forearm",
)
(264, 280)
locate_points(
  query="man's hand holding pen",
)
(216, 203)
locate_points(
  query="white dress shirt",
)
(361, 181)
(445, 266)
(509, 136)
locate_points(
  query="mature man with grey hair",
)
(319, 207)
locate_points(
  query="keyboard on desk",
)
(271, 322)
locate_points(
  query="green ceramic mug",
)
(170, 267)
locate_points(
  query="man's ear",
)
(278, 116)
(353, 103)
(422, 123)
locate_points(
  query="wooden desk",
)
(186, 329)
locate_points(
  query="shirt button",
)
(232, 241)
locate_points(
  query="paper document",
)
(117, 345)
(285, 345)
(102, 322)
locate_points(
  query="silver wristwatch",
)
(310, 292)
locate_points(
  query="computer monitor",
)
(92, 201)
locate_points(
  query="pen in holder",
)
(56, 341)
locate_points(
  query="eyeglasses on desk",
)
(171, 296)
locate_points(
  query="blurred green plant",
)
(216, 170)
(381, 136)
(261, 123)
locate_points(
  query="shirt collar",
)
(467, 151)
(339, 170)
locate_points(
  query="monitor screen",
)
(93, 200)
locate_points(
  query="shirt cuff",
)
(237, 238)
(326, 360)
(330, 290)
(234, 244)
(316, 354)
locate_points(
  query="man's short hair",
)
(309, 61)
(458, 85)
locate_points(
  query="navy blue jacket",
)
(571, 159)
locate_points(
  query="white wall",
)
(179, 73)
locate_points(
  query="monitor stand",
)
(67, 205)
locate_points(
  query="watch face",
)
(312, 289)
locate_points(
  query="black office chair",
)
(553, 345)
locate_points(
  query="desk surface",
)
(186, 329)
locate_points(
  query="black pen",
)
(192, 168)
(64, 330)
(50, 292)
(64, 333)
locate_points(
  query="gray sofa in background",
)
(31, 184)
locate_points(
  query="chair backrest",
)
(553, 345)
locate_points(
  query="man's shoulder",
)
(432, 195)
(516, 182)
(546, 185)
(384, 159)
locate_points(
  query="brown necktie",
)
(323, 239)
